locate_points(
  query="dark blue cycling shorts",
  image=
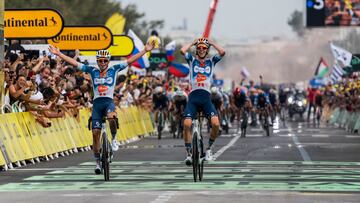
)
(199, 100)
(101, 107)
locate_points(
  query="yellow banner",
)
(83, 38)
(32, 23)
(122, 46)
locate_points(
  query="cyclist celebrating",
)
(103, 80)
(201, 72)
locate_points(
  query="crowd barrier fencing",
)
(24, 140)
(349, 120)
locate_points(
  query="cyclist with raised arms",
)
(201, 73)
(104, 81)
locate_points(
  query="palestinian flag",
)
(322, 68)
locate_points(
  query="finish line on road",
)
(219, 175)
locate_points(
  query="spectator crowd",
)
(50, 88)
(339, 103)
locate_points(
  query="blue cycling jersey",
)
(201, 73)
(103, 82)
(266, 100)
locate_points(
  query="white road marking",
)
(318, 135)
(352, 136)
(224, 148)
(164, 197)
(302, 151)
(42, 169)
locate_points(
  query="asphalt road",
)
(299, 162)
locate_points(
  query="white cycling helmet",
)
(214, 90)
(103, 54)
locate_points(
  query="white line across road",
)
(38, 169)
(352, 136)
(224, 148)
(318, 135)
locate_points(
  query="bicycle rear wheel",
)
(180, 130)
(244, 124)
(266, 127)
(105, 157)
(160, 124)
(195, 156)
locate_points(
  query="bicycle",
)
(106, 151)
(282, 113)
(244, 122)
(197, 149)
(180, 129)
(172, 121)
(264, 117)
(161, 123)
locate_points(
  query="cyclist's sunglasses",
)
(103, 60)
(201, 48)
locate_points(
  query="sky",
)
(234, 19)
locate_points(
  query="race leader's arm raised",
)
(219, 49)
(56, 51)
(186, 47)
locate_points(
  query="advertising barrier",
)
(23, 139)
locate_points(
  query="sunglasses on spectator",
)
(103, 60)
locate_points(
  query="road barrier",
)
(349, 120)
(23, 139)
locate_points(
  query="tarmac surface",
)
(299, 162)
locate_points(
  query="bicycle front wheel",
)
(267, 127)
(201, 160)
(105, 157)
(195, 156)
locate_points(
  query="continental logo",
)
(32, 23)
(83, 38)
(45, 22)
(89, 37)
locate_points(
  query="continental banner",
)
(83, 38)
(23, 138)
(32, 23)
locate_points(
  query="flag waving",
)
(170, 50)
(336, 73)
(244, 72)
(341, 54)
(116, 24)
(142, 62)
(322, 69)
